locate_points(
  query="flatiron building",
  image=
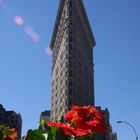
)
(72, 59)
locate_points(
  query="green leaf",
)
(10, 132)
(61, 136)
(4, 129)
(86, 137)
(35, 135)
(62, 119)
(52, 132)
(42, 122)
(74, 124)
(1, 135)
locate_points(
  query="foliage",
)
(80, 123)
(7, 133)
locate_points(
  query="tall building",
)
(45, 115)
(72, 68)
(11, 119)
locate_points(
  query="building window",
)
(66, 64)
(70, 55)
(66, 83)
(70, 22)
(71, 4)
(70, 92)
(70, 44)
(67, 31)
(70, 82)
(74, 92)
(70, 64)
(67, 39)
(73, 65)
(67, 23)
(66, 92)
(73, 55)
(66, 74)
(70, 30)
(67, 47)
(70, 12)
(70, 73)
(70, 38)
(70, 102)
(73, 31)
(73, 73)
(66, 56)
(73, 39)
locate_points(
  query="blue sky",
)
(25, 64)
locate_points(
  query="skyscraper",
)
(72, 68)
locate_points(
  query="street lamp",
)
(130, 126)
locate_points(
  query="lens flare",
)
(35, 37)
(48, 51)
(28, 30)
(18, 20)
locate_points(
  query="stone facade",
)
(72, 69)
(11, 119)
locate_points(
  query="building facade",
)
(11, 119)
(72, 68)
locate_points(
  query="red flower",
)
(68, 130)
(12, 136)
(86, 118)
(83, 120)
